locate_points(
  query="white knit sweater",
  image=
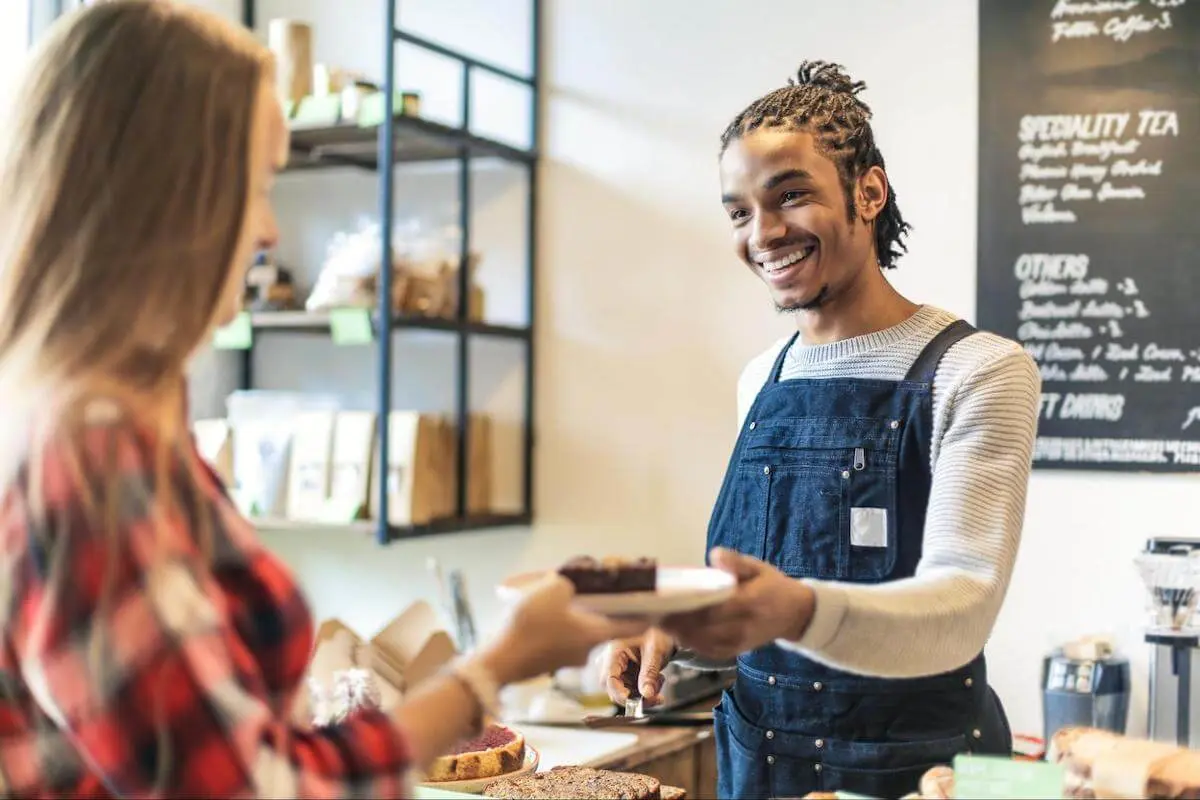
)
(986, 399)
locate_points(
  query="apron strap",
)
(925, 367)
(777, 370)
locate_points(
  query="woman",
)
(151, 646)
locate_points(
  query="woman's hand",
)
(546, 632)
(767, 605)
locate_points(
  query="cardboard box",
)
(409, 650)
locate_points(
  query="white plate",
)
(680, 589)
(532, 757)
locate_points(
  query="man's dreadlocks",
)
(822, 100)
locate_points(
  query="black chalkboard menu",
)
(1089, 221)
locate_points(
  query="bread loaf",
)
(576, 783)
(1104, 764)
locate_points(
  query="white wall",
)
(645, 317)
(14, 39)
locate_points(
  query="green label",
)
(351, 326)
(237, 335)
(318, 111)
(371, 110)
(993, 778)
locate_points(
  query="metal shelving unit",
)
(404, 140)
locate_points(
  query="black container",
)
(1090, 693)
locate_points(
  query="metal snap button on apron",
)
(820, 743)
(895, 424)
(766, 470)
(771, 680)
(818, 686)
(969, 682)
(977, 733)
(770, 759)
(770, 734)
(816, 767)
(846, 474)
(753, 425)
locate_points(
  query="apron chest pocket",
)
(829, 486)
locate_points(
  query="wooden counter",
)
(685, 756)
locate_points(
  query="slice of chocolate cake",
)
(611, 575)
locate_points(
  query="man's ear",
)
(871, 193)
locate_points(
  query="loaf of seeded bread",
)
(576, 783)
(1104, 764)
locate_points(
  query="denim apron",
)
(830, 480)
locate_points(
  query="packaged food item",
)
(291, 42)
(263, 424)
(425, 266)
(1101, 763)
(270, 286)
(353, 458)
(311, 465)
(419, 470)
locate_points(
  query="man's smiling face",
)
(791, 223)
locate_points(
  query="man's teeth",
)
(787, 261)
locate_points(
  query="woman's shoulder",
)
(94, 471)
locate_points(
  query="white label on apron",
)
(868, 527)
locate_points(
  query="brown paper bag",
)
(479, 465)
(413, 481)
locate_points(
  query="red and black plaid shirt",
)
(136, 665)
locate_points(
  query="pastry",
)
(611, 575)
(353, 689)
(496, 751)
(576, 783)
(1104, 764)
(938, 784)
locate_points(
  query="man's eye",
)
(793, 196)
(737, 214)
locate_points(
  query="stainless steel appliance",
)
(685, 686)
(1091, 691)
(1170, 570)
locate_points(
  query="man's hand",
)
(638, 663)
(766, 606)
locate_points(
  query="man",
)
(873, 503)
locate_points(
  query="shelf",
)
(327, 134)
(318, 322)
(416, 140)
(395, 533)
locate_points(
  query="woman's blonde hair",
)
(125, 166)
